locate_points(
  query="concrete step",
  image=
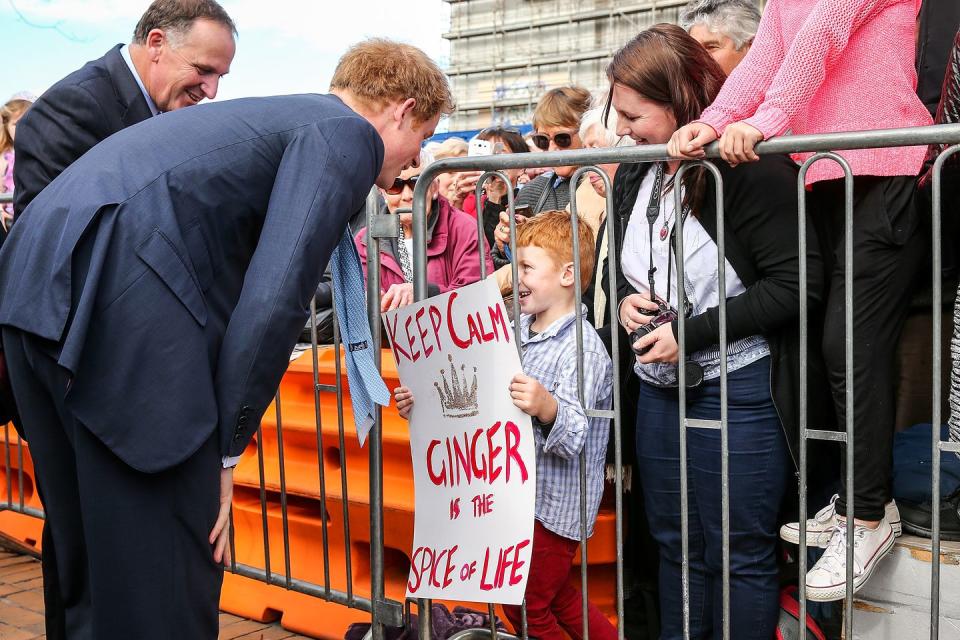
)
(895, 604)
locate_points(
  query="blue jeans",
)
(759, 468)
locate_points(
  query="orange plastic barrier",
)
(312, 616)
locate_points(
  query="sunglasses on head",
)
(562, 140)
(399, 183)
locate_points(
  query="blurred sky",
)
(285, 46)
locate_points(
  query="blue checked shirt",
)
(551, 358)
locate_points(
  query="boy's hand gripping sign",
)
(473, 454)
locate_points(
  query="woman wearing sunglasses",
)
(661, 80)
(453, 258)
(556, 125)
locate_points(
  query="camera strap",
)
(653, 213)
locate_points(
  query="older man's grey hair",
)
(736, 19)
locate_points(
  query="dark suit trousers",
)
(125, 553)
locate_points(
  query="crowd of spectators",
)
(788, 71)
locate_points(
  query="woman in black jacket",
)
(661, 80)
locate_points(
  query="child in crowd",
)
(547, 391)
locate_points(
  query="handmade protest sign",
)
(473, 454)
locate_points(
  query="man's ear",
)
(404, 110)
(155, 41)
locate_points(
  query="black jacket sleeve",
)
(491, 218)
(760, 203)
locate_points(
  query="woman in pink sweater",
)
(819, 66)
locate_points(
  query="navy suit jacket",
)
(172, 266)
(87, 106)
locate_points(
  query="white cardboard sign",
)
(473, 452)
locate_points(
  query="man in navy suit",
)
(149, 300)
(179, 52)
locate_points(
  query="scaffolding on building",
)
(505, 53)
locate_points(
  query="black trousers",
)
(889, 249)
(125, 553)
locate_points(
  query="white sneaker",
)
(820, 527)
(827, 580)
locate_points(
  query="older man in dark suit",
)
(149, 300)
(180, 50)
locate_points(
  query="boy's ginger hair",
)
(552, 231)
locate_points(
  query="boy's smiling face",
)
(544, 284)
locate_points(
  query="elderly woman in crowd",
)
(725, 28)
(453, 246)
(450, 148)
(598, 130)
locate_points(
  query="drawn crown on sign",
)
(458, 399)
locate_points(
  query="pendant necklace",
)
(665, 229)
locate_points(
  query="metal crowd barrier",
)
(822, 146)
(386, 612)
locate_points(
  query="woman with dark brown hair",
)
(659, 81)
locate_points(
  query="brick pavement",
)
(21, 607)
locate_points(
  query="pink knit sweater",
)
(820, 66)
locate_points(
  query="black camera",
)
(662, 315)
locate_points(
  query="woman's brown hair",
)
(665, 65)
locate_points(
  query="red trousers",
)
(553, 604)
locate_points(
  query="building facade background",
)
(505, 53)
